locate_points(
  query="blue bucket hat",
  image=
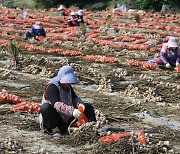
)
(67, 75)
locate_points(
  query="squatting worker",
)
(63, 10)
(73, 20)
(80, 15)
(60, 103)
(170, 53)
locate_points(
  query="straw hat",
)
(37, 25)
(173, 42)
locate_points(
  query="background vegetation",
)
(155, 5)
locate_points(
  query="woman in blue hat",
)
(60, 103)
(36, 30)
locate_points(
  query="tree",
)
(143, 4)
(156, 4)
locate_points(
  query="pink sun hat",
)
(173, 42)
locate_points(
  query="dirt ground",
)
(126, 98)
(117, 108)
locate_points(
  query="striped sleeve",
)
(64, 110)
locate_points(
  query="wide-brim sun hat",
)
(38, 25)
(80, 12)
(69, 76)
(61, 7)
(173, 42)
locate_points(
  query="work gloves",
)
(76, 113)
(168, 65)
(81, 107)
(177, 64)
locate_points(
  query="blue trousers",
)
(28, 34)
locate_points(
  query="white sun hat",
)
(73, 13)
(38, 25)
(173, 42)
(61, 7)
(80, 12)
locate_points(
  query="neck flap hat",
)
(37, 25)
(173, 42)
(65, 76)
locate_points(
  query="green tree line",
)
(140, 4)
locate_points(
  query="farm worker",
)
(80, 15)
(63, 10)
(120, 7)
(60, 103)
(36, 30)
(73, 19)
(170, 53)
(25, 14)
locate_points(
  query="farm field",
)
(109, 57)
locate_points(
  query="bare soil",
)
(117, 108)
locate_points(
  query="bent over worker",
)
(80, 15)
(73, 20)
(36, 30)
(63, 10)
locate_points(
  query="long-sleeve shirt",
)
(64, 101)
(53, 94)
(169, 56)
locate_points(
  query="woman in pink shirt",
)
(170, 53)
